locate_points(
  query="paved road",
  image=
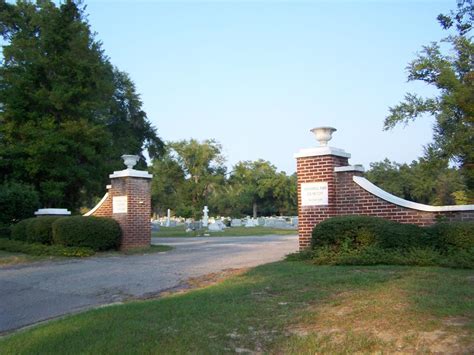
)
(40, 291)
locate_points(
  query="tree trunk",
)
(255, 210)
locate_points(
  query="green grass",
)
(284, 307)
(228, 232)
(14, 258)
(10, 258)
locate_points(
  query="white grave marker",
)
(205, 217)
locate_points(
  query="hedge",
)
(19, 229)
(97, 233)
(40, 230)
(365, 240)
(17, 246)
(453, 235)
(353, 232)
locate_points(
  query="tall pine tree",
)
(64, 109)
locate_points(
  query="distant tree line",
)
(192, 174)
(428, 181)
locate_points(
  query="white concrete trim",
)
(131, 173)
(357, 167)
(318, 151)
(97, 206)
(384, 195)
(52, 211)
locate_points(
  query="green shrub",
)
(300, 255)
(17, 246)
(460, 258)
(19, 230)
(5, 231)
(355, 232)
(379, 256)
(17, 202)
(453, 235)
(363, 240)
(97, 233)
(40, 230)
(394, 235)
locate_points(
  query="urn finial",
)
(323, 134)
(130, 160)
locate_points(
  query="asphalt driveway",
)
(40, 291)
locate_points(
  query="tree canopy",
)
(66, 114)
(192, 174)
(453, 108)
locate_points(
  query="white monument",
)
(205, 217)
(168, 217)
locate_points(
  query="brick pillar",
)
(131, 206)
(316, 187)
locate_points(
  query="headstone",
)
(215, 227)
(221, 224)
(250, 223)
(236, 223)
(205, 217)
(261, 221)
(294, 221)
(270, 222)
(168, 216)
(194, 225)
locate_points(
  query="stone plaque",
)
(119, 204)
(314, 194)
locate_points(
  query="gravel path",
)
(36, 292)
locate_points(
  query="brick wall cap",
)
(52, 212)
(131, 173)
(384, 195)
(357, 167)
(318, 151)
(91, 212)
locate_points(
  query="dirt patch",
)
(383, 318)
(213, 278)
(194, 283)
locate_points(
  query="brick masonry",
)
(345, 197)
(316, 169)
(135, 224)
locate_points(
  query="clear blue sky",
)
(258, 75)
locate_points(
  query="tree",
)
(453, 75)
(167, 186)
(128, 123)
(192, 171)
(430, 181)
(66, 115)
(262, 190)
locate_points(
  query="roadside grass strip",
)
(283, 307)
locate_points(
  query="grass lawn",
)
(9, 258)
(284, 307)
(228, 232)
(12, 258)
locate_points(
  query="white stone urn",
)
(130, 160)
(323, 134)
